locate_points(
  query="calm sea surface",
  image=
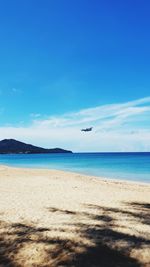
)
(128, 166)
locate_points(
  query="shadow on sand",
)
(101, 244)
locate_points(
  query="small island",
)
(12, 146)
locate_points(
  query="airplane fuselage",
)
(87, 129)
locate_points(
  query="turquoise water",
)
(128, 166)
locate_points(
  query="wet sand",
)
(55, 218)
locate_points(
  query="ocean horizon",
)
(131, 166)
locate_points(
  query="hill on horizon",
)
(12, 146)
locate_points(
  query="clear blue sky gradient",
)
(58, 56)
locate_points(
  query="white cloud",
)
(16, 90)
(97, 114)
(35, 115)
(117, 127)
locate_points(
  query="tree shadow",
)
(96, 240)
(141, 211)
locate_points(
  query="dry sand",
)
(54, 218)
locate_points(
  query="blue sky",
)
(67, 57)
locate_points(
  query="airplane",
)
(87, 129)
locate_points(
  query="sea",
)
(125, 166)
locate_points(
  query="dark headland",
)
(11, 146)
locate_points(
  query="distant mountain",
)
(11, 146)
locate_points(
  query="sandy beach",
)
(55, 218)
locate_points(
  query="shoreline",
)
(101, 178)
(53, 218)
